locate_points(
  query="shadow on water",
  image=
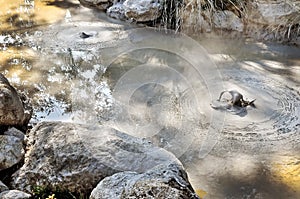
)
(261, 184)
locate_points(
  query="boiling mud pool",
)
(160, 86)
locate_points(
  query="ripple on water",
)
(276, 116)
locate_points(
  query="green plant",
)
(44, 192)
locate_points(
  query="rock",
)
(11, 151)
(143, 10)
(162, 181)
(100, 4)
(76, 157)
(14, 194)
(274, 12)
(116, 11)
(15, 132)
(273, 20)
(3, 187)
(28, 110)
(12, 108)
(227, 20)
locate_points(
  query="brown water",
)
(160, 86)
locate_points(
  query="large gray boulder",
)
(11, 151)
(76, 157)
(14, 194)
(143, 10)
(163, 181)
(14, 110)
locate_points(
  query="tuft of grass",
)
(43, 192)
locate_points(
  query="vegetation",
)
(42, 192)
(284, 29)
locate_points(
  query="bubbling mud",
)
(143, 84)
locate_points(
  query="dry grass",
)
(287, 30)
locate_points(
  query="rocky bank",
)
(259, 19)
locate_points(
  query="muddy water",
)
(257, 148)
(160, 86)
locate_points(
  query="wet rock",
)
(76, 157)
(143, 10)
(162, 181)
(14, 194)
(100, 4)
(3, 187)
(227, 20)
(11, 151)
(14, 110)
(15, 132)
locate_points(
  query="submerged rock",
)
(14, 110)
(14, 194)
(162, 181)
(76, 157)
(11, 151)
